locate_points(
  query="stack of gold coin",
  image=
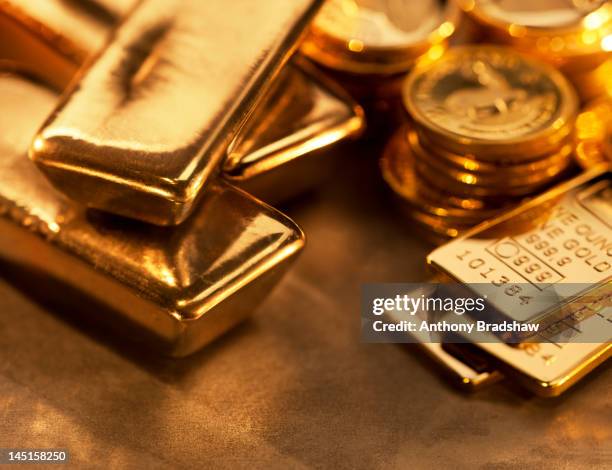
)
(370, 45)
(491, 127)
(573, 35)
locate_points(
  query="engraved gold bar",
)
(150, 120)
(181, 286)
(282, 149)
(532, 263)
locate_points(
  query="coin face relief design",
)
(489, 94)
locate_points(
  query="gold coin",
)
(379, 36)
(462, 186)
(499, 183)
(469, 162)
(594, 134)
(397, 167)
(493, 102)
(572, 32)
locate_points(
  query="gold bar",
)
(284, 148)
(545, 367)
(566, 234)
(183, 286)
(553, 248)
(54, 37)
(149, 122)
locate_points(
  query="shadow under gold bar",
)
(149, 121)
(283, 148)
(182, 286)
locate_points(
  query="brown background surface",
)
(293, 387)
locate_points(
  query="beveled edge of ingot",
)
(545, 140)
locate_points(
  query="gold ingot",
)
(148, 123)
(283, 147)
(54, 37)
(492, 102)
(527, 246)
(536, 255)
(181, 286)
(576, 35)
(459, 371)
(379, 37)
(594, 134)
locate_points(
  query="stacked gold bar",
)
(152, 132)
(491, 127)
(574, 36)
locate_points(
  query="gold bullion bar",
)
(545, 253)
(54, 37)
(548, 368)
(284, 148)
(183, 285)
(148, 123)
(281, 146)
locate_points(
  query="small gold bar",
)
(455, 366)
(545, 262)
(182, 286)
(149, 121)
(284, 148)
(554, 249)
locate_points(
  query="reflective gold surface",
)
(556, 242)
(575, 36)
(593, 134)
(284, 148)
(184, 286)
(492, 101)
(54, 37)
(149, 121)
(431, 207)
(292, 121)
(380, 36)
